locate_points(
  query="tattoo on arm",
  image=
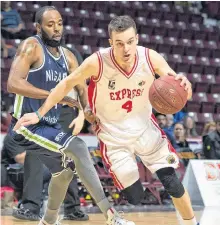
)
(26, 50)
(82, 92)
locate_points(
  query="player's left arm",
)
(82, 93)
(162, 68)
(80, 88)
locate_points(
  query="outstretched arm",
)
(87, 69)
(162, 68)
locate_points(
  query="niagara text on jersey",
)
(120, 99)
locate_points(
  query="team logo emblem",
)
(111, 84)
(171, 159)
(142, 83)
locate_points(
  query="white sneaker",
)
(43, 222)
(114, 218)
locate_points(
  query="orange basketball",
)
(167, 96)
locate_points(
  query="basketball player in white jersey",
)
(118, 95)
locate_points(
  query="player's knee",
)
(65, 175)
(134, 193)
(171, 182)
(77, 145)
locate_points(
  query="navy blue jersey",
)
(46, 77)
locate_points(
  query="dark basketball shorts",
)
(47, 142)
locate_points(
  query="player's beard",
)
(50, 42)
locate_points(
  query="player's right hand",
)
(26, 120)
(70, 102)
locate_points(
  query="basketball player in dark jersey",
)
(40, 64)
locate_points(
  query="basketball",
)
(167, 96)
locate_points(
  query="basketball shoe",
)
(115, 218)
(42, 222)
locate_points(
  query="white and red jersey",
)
(120, 99)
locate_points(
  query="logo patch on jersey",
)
(171, 159)
(111, 84)
(142, 83)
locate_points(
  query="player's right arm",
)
(89, 68)
(28, 54)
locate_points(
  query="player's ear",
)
(38, 27)
(110, 42)
(137, 38)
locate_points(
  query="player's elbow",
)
(12, 85)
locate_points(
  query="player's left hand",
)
(184, 82)
(77, 123)
(91, 117)
(26, 120)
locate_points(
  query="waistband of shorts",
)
(56, 125)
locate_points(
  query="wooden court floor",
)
(148, 218)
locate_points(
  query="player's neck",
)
(126, 66)
(180, 139)
(54, 51)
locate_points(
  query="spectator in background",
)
(209, 127)
(183, 149)
(189, 124)
(11, 23)
(5, 116)
(6, 50)
(179, 116)
(169, 124)
(211, 143)
(91, 129)
(161, 120)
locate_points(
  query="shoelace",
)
(119, 214)
(57, 222)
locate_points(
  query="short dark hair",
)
(41, 11)
(159, 114)
(120, 24)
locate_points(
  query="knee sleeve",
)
(64, 176)
(58, 187)
(134, 193)
(171, 182)
(77, 149)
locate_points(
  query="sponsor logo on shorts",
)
(60, 136)
(171, 159)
